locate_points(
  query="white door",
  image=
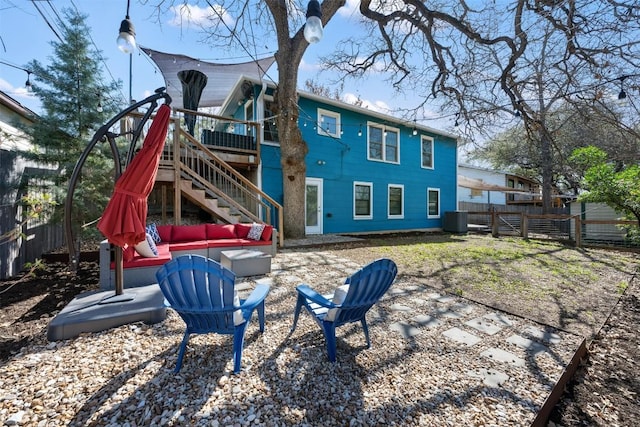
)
(313, 206)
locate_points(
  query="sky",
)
(26, 33)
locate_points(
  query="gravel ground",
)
(414, 374)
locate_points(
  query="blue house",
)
(366, 171)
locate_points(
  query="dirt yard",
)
(592, 293)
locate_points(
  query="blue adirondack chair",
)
(202, 292)
(360, 292)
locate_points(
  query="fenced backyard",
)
(579, 228)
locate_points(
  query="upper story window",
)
(427, 152)
(249, 116)
(328, 123)
(270, 124)
(383, 143)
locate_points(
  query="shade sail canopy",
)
(124, 218)
(221, 77)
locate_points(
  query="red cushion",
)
(139, 261)
(189, 246)
(220, 231)
(165, 232)
(187, 233)
(266, 233)
(242, 230)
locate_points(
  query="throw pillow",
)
(242, 230)
(338, 298)
(267, 233)
(152, 229)
(147, 248)
(256, 231)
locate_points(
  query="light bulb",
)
(313, 28)
(127, 37)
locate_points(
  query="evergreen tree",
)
(76, 102)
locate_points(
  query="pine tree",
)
(75, 102)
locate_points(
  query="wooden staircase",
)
(201, 175)
(210, 205)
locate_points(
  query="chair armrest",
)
(312, 295)
(256, 297)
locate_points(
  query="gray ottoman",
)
(245, 262)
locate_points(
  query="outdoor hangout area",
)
(437, 356)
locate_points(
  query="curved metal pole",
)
(100, 135)
(136, 134)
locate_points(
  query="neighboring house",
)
(483, 185)
(366, 171)
(20, 241)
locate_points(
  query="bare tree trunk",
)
(547, 171)
(293, 149)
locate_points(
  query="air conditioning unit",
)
(455, 222)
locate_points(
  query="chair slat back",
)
(201, 291)
(366, 287)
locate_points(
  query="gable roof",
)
(17, 107)
(236, 94)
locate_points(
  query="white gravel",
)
(419, 370)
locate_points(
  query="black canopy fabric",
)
(193, 82)
(221, 77)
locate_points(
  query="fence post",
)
(578, 232)
(524, 228)
(495, 226)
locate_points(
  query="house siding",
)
(36, 236)
(340, 162)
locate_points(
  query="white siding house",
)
(484, 177)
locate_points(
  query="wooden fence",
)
(571, 228)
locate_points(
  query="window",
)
(396, 201)
(433, 203)
(383, 144)
(270, 124)
(362, 200)
(511, 184)
(427, 152)
(329, 123)
(248, 116)
(475, 193)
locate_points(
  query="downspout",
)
(259, 109)
(259, 112)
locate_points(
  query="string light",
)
(28, 84)
(127, 34)
(622, 94)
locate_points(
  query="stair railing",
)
(217, 178)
